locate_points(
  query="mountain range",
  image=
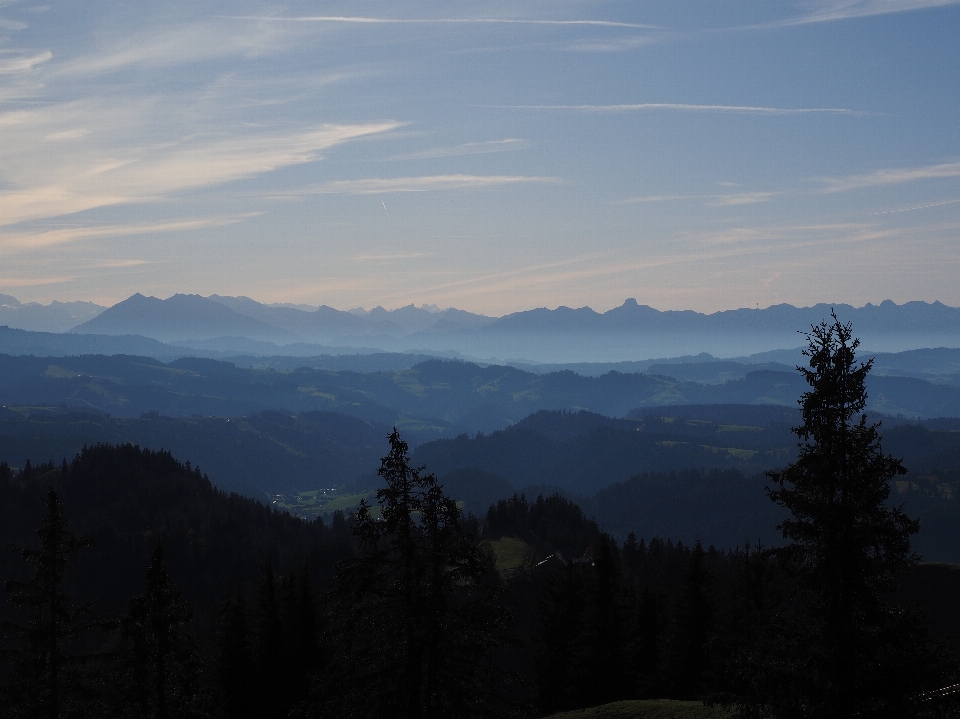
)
(54, 317)
(185, 318)
(219, 326)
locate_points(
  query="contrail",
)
(921, 207)
(437, 21)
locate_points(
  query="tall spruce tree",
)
(43, 678)
(562, 655)
(416, 617)
(234, 659)
(845, 548)
(158, 660)
(693, 627)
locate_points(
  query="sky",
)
(492, 156)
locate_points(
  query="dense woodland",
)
(137, 588)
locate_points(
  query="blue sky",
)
(493, 156)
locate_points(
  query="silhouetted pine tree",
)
(750, 621)
(562, 657)
(416, 614)
(693, 627)
(609, 628)
(586, 644)
(632, 553)
(160, 667)
(299, 617)
(649, 640)
(268, 647)
(847, 652)
(45, 678)
(235, 675)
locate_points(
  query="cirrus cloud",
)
(688, 107)
(124, 175)
(378, 185)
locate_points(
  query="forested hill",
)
(126, 499)
(582, 452)
(262, 454)
(445, 397)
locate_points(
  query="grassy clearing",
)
(745, 454)
(409, 423)
(312, 504)
(511, 554)
(738, 428)
(59, 372)
(647, 709)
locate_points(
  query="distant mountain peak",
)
(179, 317)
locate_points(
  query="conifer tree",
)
(415, 611)
(42, 662)
(234, 660)
(268, 646)
(693, 627)
(845, 548)
(609, 627)
(562, 657)
(299, 617)
(649, 631)
(156, 649)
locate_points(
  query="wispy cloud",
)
(657, 198)
(23, 63)
(118, 264)
(390, 258)
(179, 45)
(71, 134)
(6, 24)
(714, 200)
(833, 10)
(918, 207)
(828, 185)
(360, 20)
(702, 249)
(488, 281)
(467, 148)
(787, 236)
(47, 238)
(742, 198)
(890, 176)
(377, 185)
(622, 44)
(113, 175)
(684, 107)
(6, 282)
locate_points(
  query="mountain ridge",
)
(180, 317)
(629, 332)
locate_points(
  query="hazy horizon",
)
(433, 307)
